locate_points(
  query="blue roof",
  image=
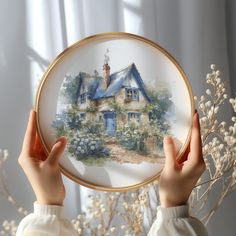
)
(96, 91)
(116, 81)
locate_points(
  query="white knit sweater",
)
(49, 220)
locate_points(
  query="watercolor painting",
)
(114, 96)
(113, 116)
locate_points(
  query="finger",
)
(38, 149)
(196, 142)
(169, 149)
(57, 151)
(29, 139)
(184, 157)
(178, 145)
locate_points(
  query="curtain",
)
(33, 33)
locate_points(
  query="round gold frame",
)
(110, 35)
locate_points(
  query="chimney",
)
(106, 75)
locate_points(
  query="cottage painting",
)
(113, 116)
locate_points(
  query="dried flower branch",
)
(219, 148)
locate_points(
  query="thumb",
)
(170, 154)
(57, 151)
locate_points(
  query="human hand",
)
(42, 171)
(178, 178)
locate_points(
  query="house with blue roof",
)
(125, 88)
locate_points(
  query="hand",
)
(178, 179)
(42, 172)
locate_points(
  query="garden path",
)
(123, 155)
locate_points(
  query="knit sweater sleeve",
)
(176, 221)
(46, 220)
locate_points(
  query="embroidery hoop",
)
(47, 86)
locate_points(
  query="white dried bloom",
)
(208, 104)
(233, 102)
(216, 109)
(202, 106)
(213, 66)
(208, 92)
(122, 226)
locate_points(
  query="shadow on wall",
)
(16, 98)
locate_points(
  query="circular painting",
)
(114, 96)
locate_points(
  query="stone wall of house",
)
(91, 116)
(104, 104)
(135, 106)
(121, 119)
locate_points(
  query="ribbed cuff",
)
(173, 212)
(48, 210)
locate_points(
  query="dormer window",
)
(132, 94)
(82, 98)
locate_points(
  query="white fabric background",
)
(32, 33)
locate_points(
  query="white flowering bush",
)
(84, 145)
(132, 137)
(132, 213)
(86, 139)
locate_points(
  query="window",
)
(82, 98)
(133, 116)
(132, 94)
(82, 116)
(100, 118)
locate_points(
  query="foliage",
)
(159, 131)
(90, 127)
(70, 87)
(117, 108)
(157, 110)
(67, 120)
(91, 109)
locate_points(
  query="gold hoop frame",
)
(93, 38)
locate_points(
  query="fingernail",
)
(64, 137)
(195, 120)
(61, 139)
